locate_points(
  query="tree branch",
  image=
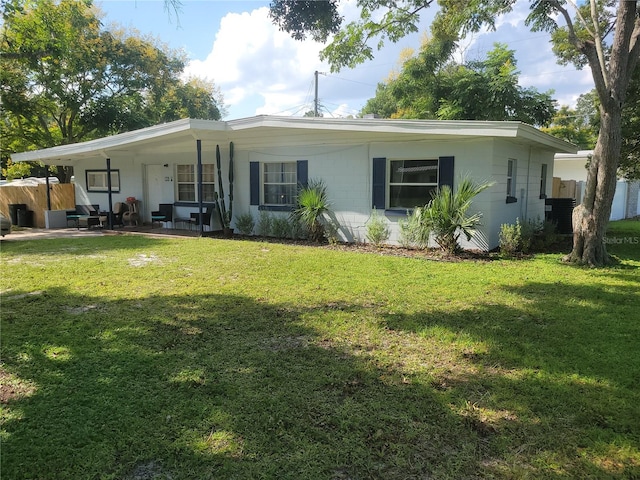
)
(598, 41)
(587, 49)
(634, 47)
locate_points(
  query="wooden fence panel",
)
(63, 197)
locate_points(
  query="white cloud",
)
(536, 61)
(261, 70)
(251, 58)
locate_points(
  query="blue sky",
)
(260, 70)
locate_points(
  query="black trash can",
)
(14, 208)
(25, 218)
(560, 211)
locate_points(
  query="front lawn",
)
(125, 357)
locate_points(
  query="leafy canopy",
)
(65, 79)
(432, 86)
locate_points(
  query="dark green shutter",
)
(254, 183)
(445, 171)
(379, 183)
(302, 170)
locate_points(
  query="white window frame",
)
(263, 181)
(543, 180)
(208, 169)
(97, 181)
(512, 172)
(412, 184)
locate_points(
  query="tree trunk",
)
(591, 217)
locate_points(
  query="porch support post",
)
(110, 216)
(48, 192)
(200, 213)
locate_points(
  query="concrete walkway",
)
(24, 233)
(41, 233)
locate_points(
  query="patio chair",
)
(164, 214)
(206, 218)
(116, 219)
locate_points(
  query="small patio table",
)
(76, 219)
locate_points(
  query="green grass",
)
(126, 357)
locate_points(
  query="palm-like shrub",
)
(377, 229)
(413, 232)
(313, 205)
(446, 214)
(245, 223)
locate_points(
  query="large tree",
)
(601, 34)
(484, 89)
(65, 79)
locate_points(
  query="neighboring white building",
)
(626, 201)
(391, 165)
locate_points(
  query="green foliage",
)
(280, 227)
(383, 104)
(534, 235)
(17, 170)
(630, 154)
(431, 85)
(574, 127)
(245, 223)
(312, 207)
(306, 17)
(377, 229)
(298, 231)
(290, 362)
(414, 233)
(510, 238)
(66, 79)
(581, 126)
(265, 223)
(332, 231)
(446, 214)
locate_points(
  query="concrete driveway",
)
(41, 233)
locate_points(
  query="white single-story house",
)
(573, 166)
(389, 165)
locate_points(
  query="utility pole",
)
(315, 103)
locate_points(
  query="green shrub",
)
(446, 214)
(534, 235)
(377, 229)
(298, 231)
(245, 223)
(313, 205)
(549, 233)
(265, 222)
(331, 232)
(527, 232)
(414, 233)
(510, 238)
(280, 227)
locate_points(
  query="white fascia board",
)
(122, 140)
(451, 128)
(433, 127)
(204, 128)
(581, 154)
(533, 135)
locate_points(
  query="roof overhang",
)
(579, 155)
(265, 131)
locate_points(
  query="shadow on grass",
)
(223, 386)
(210, 387)
(556, 375)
